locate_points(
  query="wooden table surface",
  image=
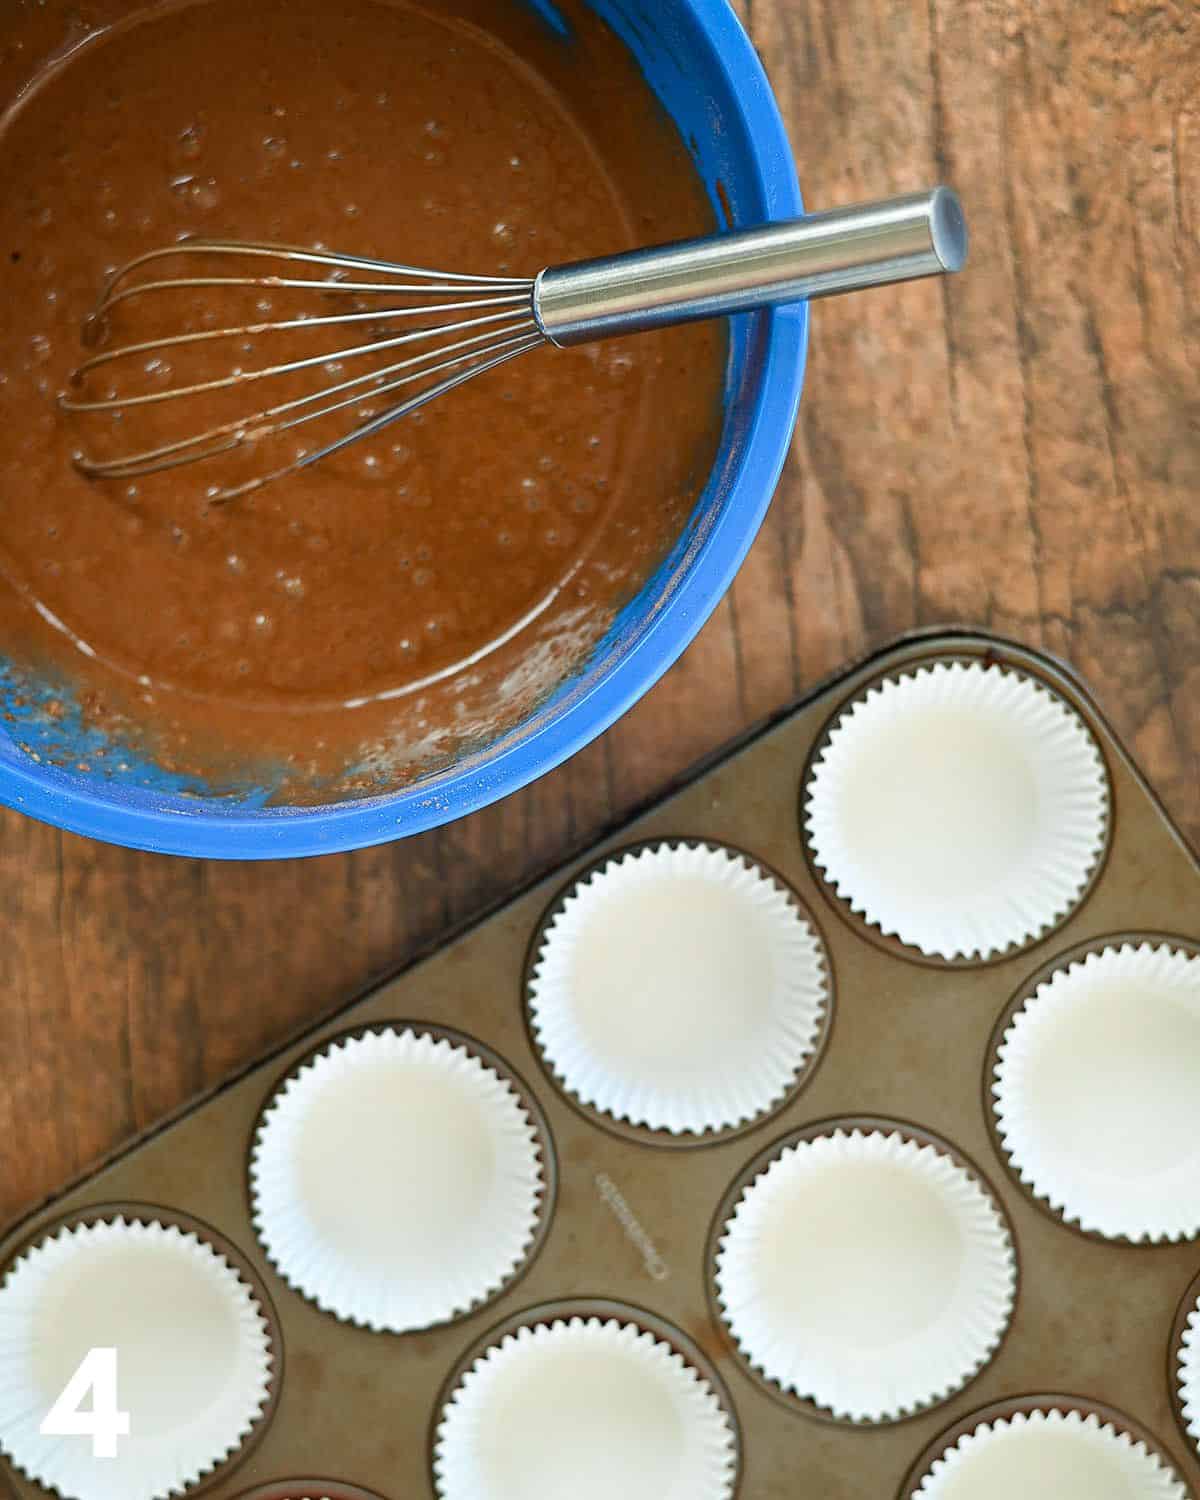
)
(1018, 447)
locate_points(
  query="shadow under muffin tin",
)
(779, 1133)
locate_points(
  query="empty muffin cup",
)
(1095, 1096)
(1187, 1365)
(308, 1489)
(865, 1271)
(679, 988)
(192, 1371)
(1068, 1452)
(399, 1178)
(961, 809)
(588, 1407)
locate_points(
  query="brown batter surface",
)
(356, 623)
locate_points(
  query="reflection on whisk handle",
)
(845, 250)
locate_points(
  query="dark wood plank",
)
(1018, 448)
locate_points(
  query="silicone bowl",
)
(704, 70)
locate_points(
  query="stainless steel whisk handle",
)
(844, 250)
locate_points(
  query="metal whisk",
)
(431, 331)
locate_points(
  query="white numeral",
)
(104, 1424)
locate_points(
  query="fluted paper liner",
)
(1189, 1375)
(1097, 1092)
(680, 989)
(396, 1180)
(867, 1273)
(194, 1356)
(960, 808)
(585, 1408)
(1050, 1452)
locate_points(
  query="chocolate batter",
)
(360, 621)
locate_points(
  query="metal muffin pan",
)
(632, 1221)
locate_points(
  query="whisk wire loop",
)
(487, 321)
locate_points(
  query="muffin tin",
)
(633, 1218)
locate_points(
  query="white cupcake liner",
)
(1050, 1452)
(959, 808)
(867, 1273)
(194, 1356)
(1189, 1374)
(1096, 1093)
(396, 1180)
(679, 988)
(590, 1409)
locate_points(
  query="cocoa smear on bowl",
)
(359, 623)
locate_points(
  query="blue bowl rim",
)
(284, 833)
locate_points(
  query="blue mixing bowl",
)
(704, 70)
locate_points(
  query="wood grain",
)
(1018, 448)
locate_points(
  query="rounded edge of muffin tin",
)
(644, 1135)
(800, 1405)
(308, 1489)
(1189, 1300)
(1017, 1003)
(154, 1213)
(594, 1307)
(967, 652)
(499, 1065)
(1011, 1406)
